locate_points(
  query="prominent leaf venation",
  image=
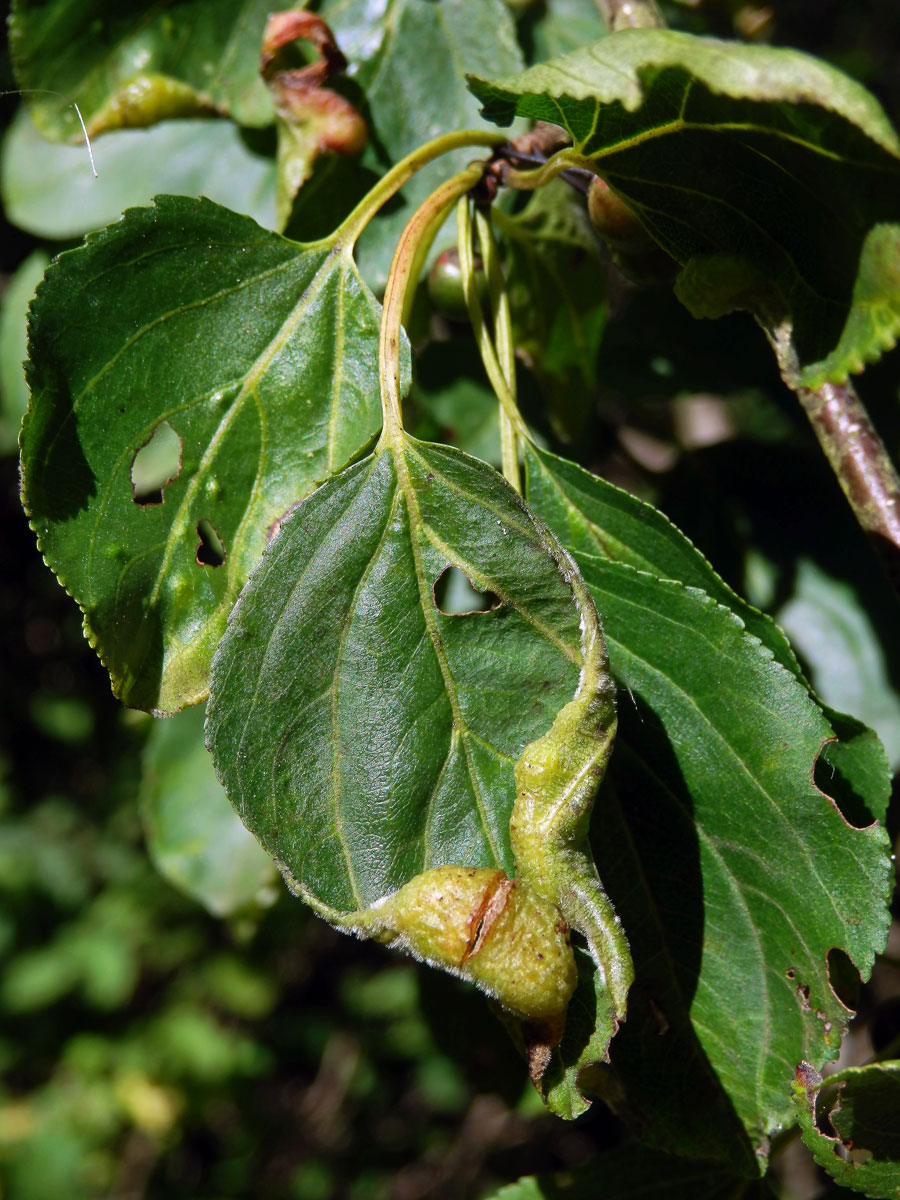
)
(416, 524)
(485, 582)
(425, 713)
(334, 692)
(740, 735)
(716, 737)
(290, 377)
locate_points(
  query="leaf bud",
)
(494, 931)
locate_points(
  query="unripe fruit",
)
(445, 286)
(633, 250)
(614, 220)
(494, 931)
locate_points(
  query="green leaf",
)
(194, 836)
(138, 64)
(259, 354)
(409, 60)
(557, 300)
(364, 735)
(593, 517)
(847, 661)
(14, 346)
(770, 176)
(862, 1106)
(636, 1173)
(733, 874)
(186, 157)
(565, 25)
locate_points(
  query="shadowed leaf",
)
(770, 176)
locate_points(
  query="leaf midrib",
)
(399, 446)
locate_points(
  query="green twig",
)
(479, 326)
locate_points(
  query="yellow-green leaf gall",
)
(494, 931)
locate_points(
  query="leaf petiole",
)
(403, 171)
(495, 373)
(419, 232)
(503, 339)
(530, 181)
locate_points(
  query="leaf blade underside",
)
(770, 176)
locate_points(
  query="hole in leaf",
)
(455, 595)
(843, 978)
(830, 777)
(155, 465)
(211, 550)
(822, 1110)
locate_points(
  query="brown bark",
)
(862, 465)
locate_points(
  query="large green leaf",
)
(734, 875)
(363, 734)
(138, 63)
(847, 659)
(410, 60)
(256, 354)
(773, 178)
(862, 1107)
(593, 517)
(186, 157)
(194, 836)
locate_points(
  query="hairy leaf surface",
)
(139, 63)
(734, 875)
(257, 354)
(770, 176)
(364, 734)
